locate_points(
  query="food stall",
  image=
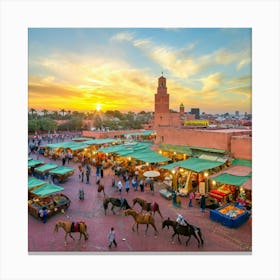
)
(42, 171)
(62, 173)
(46, 196)
(230, 215)
(32, 164)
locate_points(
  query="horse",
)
(101, 188)
(118, 202)
(69, 227)
(188, 230)
(147, 206)
(140, 218)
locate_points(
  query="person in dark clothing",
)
(202, 203)
(101, 171)
(87, 173)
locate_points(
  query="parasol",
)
(151, 174)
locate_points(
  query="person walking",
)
(202, 203)
(141, 184)
(112, 238)
(87, 173)
(134, 184)
(127, 185)
(101, 171)
(120, 187)
(191, 197)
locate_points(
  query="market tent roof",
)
(243, 162)
(61, 170)
(80, 146)
(46, 167)
(231, 179)
(247, 184)
(34, 162)
(212, 150)
(193, 164)
(34, 182)
(125, 149)
(81, 139)
(149, 156)
(213, 158)
(237, 170)
(68, 145)
(176, 148)
(100, 141)
(47, 190)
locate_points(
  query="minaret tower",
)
(161, 103)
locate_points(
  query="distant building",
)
(170, 128)
(195, 111)
(237, 113)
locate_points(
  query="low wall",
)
(241, 147)
(216, 139)
(107, 134)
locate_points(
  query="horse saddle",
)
(75, 227)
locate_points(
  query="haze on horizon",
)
(79, 69)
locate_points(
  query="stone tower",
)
(182, 110)
(161, 103)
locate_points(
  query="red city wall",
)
(107, 134)
(217, 139)
(241, 147)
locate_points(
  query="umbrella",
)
(151, 174)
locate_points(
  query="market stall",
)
(232, 184)
(62, 173)
(42, 195)
(230, 215)
(42, 171)
(32, 164)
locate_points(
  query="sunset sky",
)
(117, 68)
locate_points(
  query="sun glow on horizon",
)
(98, 107)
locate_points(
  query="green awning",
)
(100, 141)
(213, 158)
(194, 164)
(45, 167)
(176, 148)
(67, 145)
(33, 162)
(211, 150)
(80, 139)
(149, 156)
(34, 182)
(80, 146)
(47, 190)
(61, 170)
(243, 162)
(231, 179)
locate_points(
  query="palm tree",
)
(32, 110)
(62, 111)
(45, 112)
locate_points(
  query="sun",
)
(98, 107)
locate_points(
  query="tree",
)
(63, 112)
(45, 112)
(32, 110)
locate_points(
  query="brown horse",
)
(147, 206)
(69, 227)
(140, 218)
(118, 202)
(101, 188)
